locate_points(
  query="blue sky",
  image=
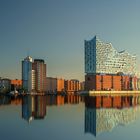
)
(55, 30)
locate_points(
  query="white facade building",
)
(101, 57)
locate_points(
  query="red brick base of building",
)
(110, 82)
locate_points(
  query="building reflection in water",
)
(33, 107)
(61, 100)
(103, 113)
(6, 100)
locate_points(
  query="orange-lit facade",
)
(110, 82)
(54, 84)
(72, 85)
(16, 83)
(60, 85)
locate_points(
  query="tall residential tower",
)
(34, 75)
(40, 75)
(26, 69)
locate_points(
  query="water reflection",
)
(31, 100)
(6, 100)
(33, 107)
(61, 100)
(103, 113)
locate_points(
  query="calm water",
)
(69, 118)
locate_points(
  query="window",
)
(88, 78)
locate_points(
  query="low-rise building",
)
(72, 85)
(60, 85)
(16, 84)
(54, 85)
(5, 85)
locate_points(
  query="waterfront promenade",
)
(110, 93)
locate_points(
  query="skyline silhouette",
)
(55, 31)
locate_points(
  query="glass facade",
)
(101, 57)
(26, 69)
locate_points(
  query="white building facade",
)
(102, 58)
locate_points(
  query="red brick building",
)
(72, 85)
(110, 82)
